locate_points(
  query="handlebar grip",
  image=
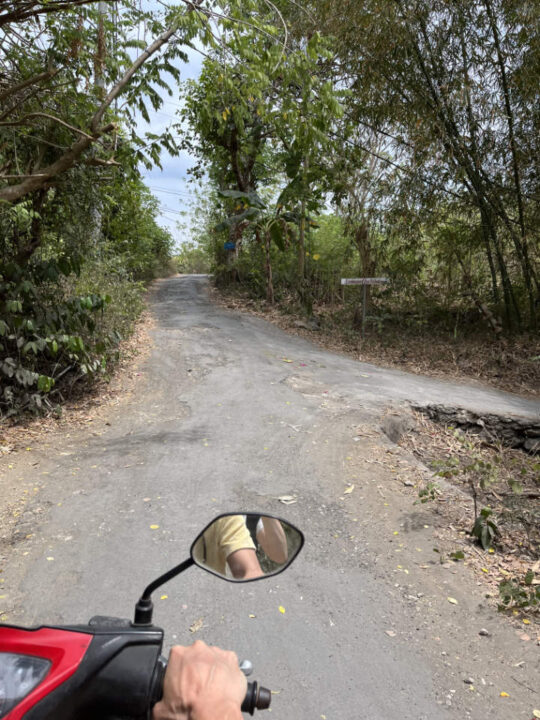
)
(257, 698)
(156, 686)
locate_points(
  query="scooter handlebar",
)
(257, 697)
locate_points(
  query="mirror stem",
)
(144, 608)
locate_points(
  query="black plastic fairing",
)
(115, 680)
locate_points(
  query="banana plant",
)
(268, 224)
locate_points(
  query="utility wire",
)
(171, 192)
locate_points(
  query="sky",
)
(170, 184)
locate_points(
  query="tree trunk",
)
(482, 185)
(302, 244)
(486, 312)
(513, 315)
(523, 250)
(269, 282)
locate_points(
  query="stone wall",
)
(511, 431)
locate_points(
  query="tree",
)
(450, 89)
(260, 123)
(49, 102)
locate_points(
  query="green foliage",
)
(431, 174)
(437, 160)
(60, 327)
(78, 228)
(429, 492)
(260, 124)
(126, 299)
(68, 283)
(43, 338)
(131, 231)
(523, 593)
(193, 258)
(485, 528)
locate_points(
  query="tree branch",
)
(33, 182)
(47, 75)
(21, 121)
(19, 177)
(99, 162)
(20, 14)
(121, 84)
(13, 193)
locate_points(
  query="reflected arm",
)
(244, 564)
(272, 539)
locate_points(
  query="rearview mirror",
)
(240, 548)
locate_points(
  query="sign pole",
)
(364, 282)
(364, 287)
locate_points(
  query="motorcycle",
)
(112, 668)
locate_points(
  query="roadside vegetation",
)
(79, 230)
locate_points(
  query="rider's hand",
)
(201, 683)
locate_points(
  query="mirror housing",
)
(271, 544)
(246, 547)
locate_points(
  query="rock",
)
(395, 426)
(484, 632)
(469, 681)
(532, 445)
(311, 323)
(408, 483)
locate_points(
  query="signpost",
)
(364, 282)
(229, 246)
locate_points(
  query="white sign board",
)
(364, 281)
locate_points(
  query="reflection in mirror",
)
(246, 547)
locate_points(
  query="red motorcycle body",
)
(107, 669)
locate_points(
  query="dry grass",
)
(505, 480)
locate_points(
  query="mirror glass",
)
(246, 547)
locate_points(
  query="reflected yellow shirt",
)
(222, 538)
